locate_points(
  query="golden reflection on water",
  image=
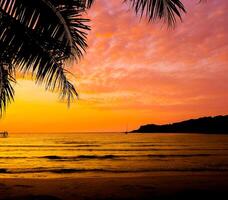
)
(110, 154)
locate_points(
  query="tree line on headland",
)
(217, 124)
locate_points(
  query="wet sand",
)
(211, 185)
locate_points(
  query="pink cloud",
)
(136, 65)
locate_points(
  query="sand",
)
(211, 185)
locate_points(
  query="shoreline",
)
(208, 185)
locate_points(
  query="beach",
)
(157, 186)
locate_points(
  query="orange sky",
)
(136, 73)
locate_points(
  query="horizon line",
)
(70, 132)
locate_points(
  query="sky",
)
(135, 73)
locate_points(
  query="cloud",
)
(131, 64)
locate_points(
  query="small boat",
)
(4, 134)
(126, 132)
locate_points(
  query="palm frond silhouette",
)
(40, 36)
(166, 10)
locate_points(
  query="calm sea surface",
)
(110, 154)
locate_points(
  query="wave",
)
(130, 156)
(76, 142)
(2, 170)
(51, 146)
(112, 156)
(9, 148)
(80, 157)
(54, 157)
(158, 145)
(108, 143)
(181, 155)
(14, 157)
(103, 170)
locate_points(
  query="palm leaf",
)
(166, 10)
(40, 36)
(6, 89)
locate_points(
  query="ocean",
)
(60, 155)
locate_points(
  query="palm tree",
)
(39, 37)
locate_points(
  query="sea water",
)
(53, 155)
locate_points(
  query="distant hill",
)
(218, 124)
